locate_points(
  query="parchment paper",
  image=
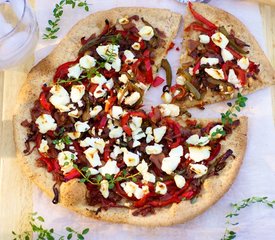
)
(256, 177)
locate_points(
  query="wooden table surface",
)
(16, 200)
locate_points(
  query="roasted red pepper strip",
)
(48, 162)
(44, 102)
(138, 114)
(188, 195)
(241, 74)
(158, 81)
(103, 122)
(197, 66)
(74, 173)
(149, 71)
(62, 71)
(200, 18)
(214, 152)
(173, 199)
(109, 103)
(107, 151)
(176, 128)
(225, 67)
(197, 27)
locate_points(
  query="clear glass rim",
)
(18, 22)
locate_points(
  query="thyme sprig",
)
(86, 177)
(229, 234)
(227, 117)
(36, 223)
(53, 27)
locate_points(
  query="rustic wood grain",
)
(15, 189)
(268, 17)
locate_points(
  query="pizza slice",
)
(220, 58)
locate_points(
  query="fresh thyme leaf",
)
(227, 117)
(53, 27)
(237, 207)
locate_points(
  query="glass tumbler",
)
(18, 32)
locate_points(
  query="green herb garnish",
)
(53, 27)
(237, 207)
(230, 113)
(36, 223)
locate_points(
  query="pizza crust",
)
(220, 17)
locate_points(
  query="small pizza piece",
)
(220, 58)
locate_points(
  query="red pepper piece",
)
(149, 71)
(141, 202)
(127, 130)
(201, 18)
(121, 193)
(48, 162)
(197, 66)
(103, 122)
(158, 81)
(62, 71)
(38, 140)
(191, 123)
(176, 128)
(225, 67)
(199, 28)
(109, 103)
(188, 195)
(214, 47)
(138, 114)
(106, 153)
(173, 199)
(241, 75)
(74, 173)
(214, 152)
(44, 102)
(171, 46)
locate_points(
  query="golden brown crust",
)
(220, 17)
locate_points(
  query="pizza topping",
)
(199, 154)
(44, 147)
(232, 78)
(209, 61)
(104, 188)
(110, 168)
(146, 33)
(180, 181)
(46, 123)
(154, 149)
(65, 159)
(243, 63)
(205, 39)
(159, 133)
(196, 140)
(226, 55)
(60, 98)
(161, 188)
(87, 62)
(171, 110)
(199, 169)
(74, 71)
(215, 73)
(81, 126)
(219, 39)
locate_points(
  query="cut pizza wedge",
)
(220, 58)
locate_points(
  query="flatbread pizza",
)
(220, 58)
(83, 138)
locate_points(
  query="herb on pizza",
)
(237, 207)
(43, 233)
(53, 27)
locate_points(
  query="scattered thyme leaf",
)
(53, 24)
(237, 207)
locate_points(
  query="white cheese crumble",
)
(46, 123)
(130, 57)
(199, 154)
(60, 98)
(136, 46)
(81, 126)
(226, 55)
(116, 132)
(166, 97)
(232, 78)
(98, 79)
(215, 73)
(159, 133)
(92, 156)
(179, 180)
(180, 80)
(154, 149)
(116, 112)
(131, 159)
(74, 71)
(132, 189)
(243, 63)
(132, 99)
(199, 169)
(219, 39)
(161, 188)
(215, 129)
(65, 160)
(196, 140)
(99, 92)
(210, 61)
(104, 188)
(74, 135)
(95, 111)
(169, 164)
(146, 33)
(176, 152)
(87, 62)
(205, 39)
(109, 168)
(75, 113)
(44, 147)
(171, 110)
(123, 78)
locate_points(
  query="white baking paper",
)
(256, 176)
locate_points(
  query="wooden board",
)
(16, 190)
